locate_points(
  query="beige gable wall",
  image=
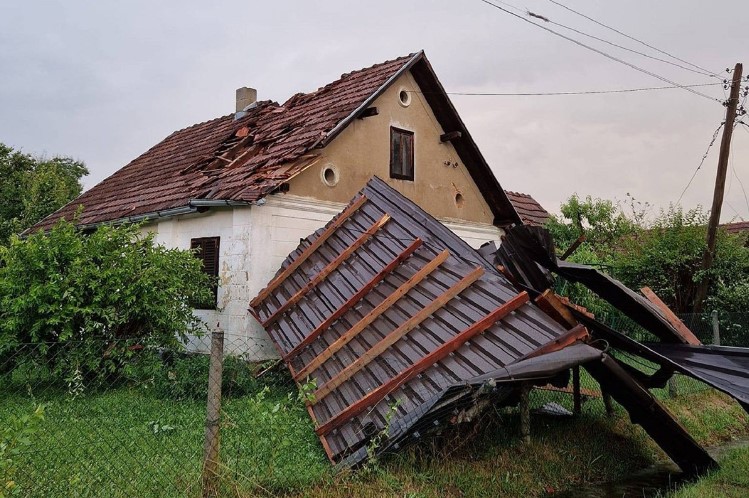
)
(362, 150)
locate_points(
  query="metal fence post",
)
(716, 328)
(213, 415)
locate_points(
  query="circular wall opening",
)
(329, 175)
(405, 97)
(459, 201)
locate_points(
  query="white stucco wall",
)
(254, 241)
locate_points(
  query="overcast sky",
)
(104, 81)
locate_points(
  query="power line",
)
(703, 73)
(704, 156)
(634, 39)
(546, 19)
(746, 199)
(608, 56)
(583, 92)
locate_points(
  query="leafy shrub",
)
(91, 303)
(185, 376)
(14, 435)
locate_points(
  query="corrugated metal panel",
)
(360, 364)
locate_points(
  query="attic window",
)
(405, 97)
(206, 250)
(401, 154)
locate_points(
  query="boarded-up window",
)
(401, 154)
(206, 250)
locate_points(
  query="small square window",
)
(401, 154)
(206, 250)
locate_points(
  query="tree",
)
(32, 188)
(664, 254)
(600, 220)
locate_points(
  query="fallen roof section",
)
(387, 306)
(527, 252)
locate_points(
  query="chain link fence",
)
(150, 422)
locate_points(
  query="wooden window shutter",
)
(401, 154)
(208, 252)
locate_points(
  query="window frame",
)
(200, 243)
(399, 174)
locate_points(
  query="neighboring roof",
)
(528, 208)
(247, 159)
(736, 227)
(385, 303)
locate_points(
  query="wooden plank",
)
(372, 315)
(578, 333)
(684, 333)
(314, 281)
(398, 333)
(392, 265)
(450, 136)
(375, 396)
(552, 306)
(334, 225)
(571, 249)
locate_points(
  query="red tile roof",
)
(737, 227)
(528, 208)
(224, 159)
(248, 158)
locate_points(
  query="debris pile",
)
(403, 328)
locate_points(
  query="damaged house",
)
(402, 329)
(246, 187)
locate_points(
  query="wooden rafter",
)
(354, 299)
(375, 396)
(552, 306)
(334, 225)
(398, 333)
(372, 315)
(314, 281)
(685, 334)
(575, 334)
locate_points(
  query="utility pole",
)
(720, 184)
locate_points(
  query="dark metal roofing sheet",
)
(725, 368)
(359, 366)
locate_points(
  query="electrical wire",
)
(583, 92)
(601, 52)
(746, 199)
(546, 19)
(704, 156)
(634, 39)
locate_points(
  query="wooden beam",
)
(372, 315)
(375, 396)
(354, 299)
(578, 333)
(331, 228)
(684, 333)
(398, 333)
(450, 136)
(368, 112)
(314, 281)
(572, 248)
(552, 306)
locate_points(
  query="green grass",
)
(731, 480)
(129, 442)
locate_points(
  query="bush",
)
(91, 303)
(185, 376)
(15, 434)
